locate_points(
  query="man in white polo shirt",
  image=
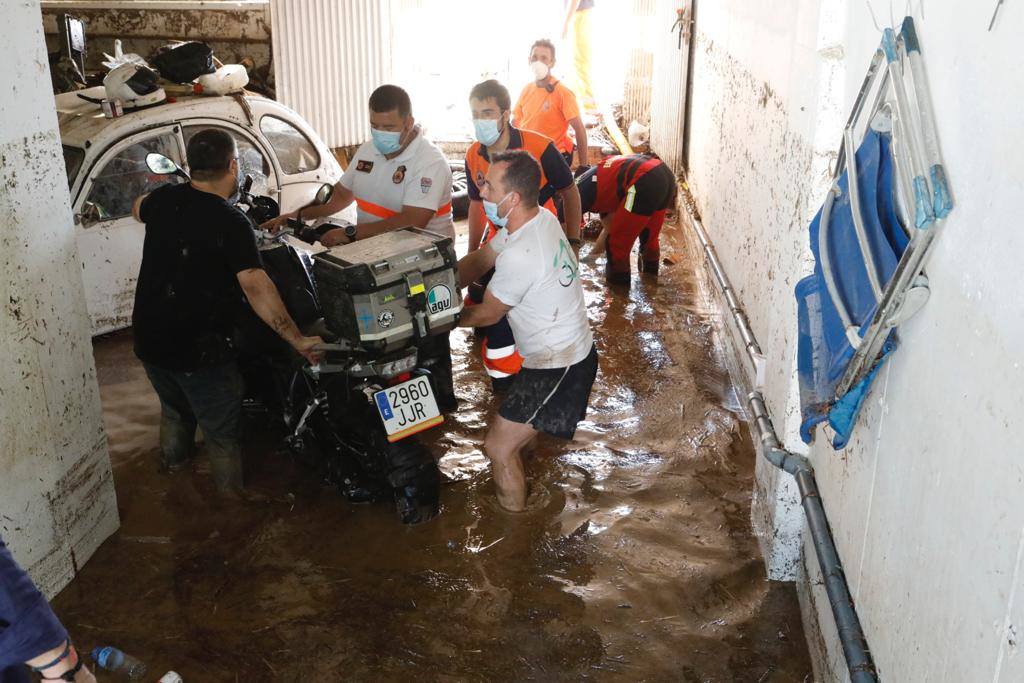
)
(398, 179)
(536, 283)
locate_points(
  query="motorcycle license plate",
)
(407, 408)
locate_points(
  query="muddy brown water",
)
(636, 561)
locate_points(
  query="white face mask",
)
(491, 211)
(540, 70)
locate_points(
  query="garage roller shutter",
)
(328, 58)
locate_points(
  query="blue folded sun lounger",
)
(870, 240)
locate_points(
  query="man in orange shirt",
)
(548, 107)
(489, 102)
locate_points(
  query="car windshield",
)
(73, 157)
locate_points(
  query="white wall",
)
(57, 499)
(758, 165)
(925, 502)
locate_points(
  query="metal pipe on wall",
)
(851, 635)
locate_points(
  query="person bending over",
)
(633, 194)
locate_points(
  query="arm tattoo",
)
(281, 324)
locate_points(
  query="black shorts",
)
(552, 401)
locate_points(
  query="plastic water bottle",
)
(113, 660)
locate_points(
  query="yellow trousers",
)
(582, 29)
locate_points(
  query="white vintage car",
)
(105, 160)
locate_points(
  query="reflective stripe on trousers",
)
(503, 361)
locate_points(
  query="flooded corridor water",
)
(636, 561)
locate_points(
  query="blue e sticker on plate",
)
(384, 405)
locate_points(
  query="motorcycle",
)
(341, 414)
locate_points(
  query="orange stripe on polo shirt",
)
(375, 209)
(383, 212)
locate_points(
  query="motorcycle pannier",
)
(386, 291)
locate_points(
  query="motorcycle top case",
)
(389, 290)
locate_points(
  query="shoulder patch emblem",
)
(426, 184)
(479, 179)
(399, 175)
(364, 166)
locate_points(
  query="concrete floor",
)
(635, 563)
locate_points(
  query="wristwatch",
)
(350, 231)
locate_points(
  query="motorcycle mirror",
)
(247, 184)
(160, 164)
(323, 195)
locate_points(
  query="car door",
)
(109, 239)
(304, 166)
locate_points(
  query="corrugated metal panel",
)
(636, 104)
(636, 101)
(668, 92)
(329, 55)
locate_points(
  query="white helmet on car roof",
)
(135, 85)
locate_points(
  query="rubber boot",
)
(225, 463)
(616, 272)
(646, 265)
(649, 259)
(177, 442)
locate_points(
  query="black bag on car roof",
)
(183, 62)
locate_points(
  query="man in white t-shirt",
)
(536, 283)
(398, 179)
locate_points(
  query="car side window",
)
(294, 151)
(251, 160)
(125, 177)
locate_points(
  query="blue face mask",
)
(386, 141)
(491, 210)
(487, 131)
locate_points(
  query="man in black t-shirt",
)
(199, 265)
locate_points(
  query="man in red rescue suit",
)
(491, 104)
(632, 193)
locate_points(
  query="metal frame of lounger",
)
(922, 195)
